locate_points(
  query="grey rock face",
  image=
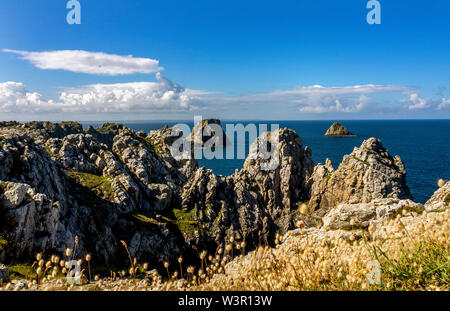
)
(368, 173)
(257, 199)
(440, 199)
(29, 214)
(360, 215)
(4, 274)
(110, 184)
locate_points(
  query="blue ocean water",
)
(423, 146)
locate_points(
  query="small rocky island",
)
(205, 130)
(338, 130)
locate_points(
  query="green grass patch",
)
(185, 220)
(20, 272)
(100, 185)
(144, 218)
(425, 265)
(360, 160)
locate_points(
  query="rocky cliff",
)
(104, 185)
(368, 173)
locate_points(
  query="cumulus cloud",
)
(320, 99)
(166, 96)
(89, 62)
(15, 98)
(445, 103)
(163, 95)
(417, 102)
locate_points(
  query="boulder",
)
(361, 215)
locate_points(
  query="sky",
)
(243, 60)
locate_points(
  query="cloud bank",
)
(319, 99)
(80, 61)
(163, 95)
(168, 97)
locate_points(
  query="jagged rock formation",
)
(111, 183)
(259, 198)
(368, 173)
(338, 130)
(440, 199)
(209, 133)
(56, 188)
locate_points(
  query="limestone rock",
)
(4, 274)
(368, 173)
(440, 199)
(259, 198)
(360, 215)
(338, 130)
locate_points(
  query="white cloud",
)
(15, 98)
(163, 95)
(417, 102)
(89, 62)
(444, 104)
(320, 99)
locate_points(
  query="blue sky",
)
(228, 59)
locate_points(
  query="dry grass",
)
(412, 253)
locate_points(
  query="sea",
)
(423, 145)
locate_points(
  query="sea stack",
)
(338, 130)
(209, 132)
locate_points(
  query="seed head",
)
(304, 209)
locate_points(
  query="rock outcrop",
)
(110, 184)
(338, 130)
(361, 215)
(260, 198)
(440, 199)
(209, 133)
(4, 274)
(368, 173)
